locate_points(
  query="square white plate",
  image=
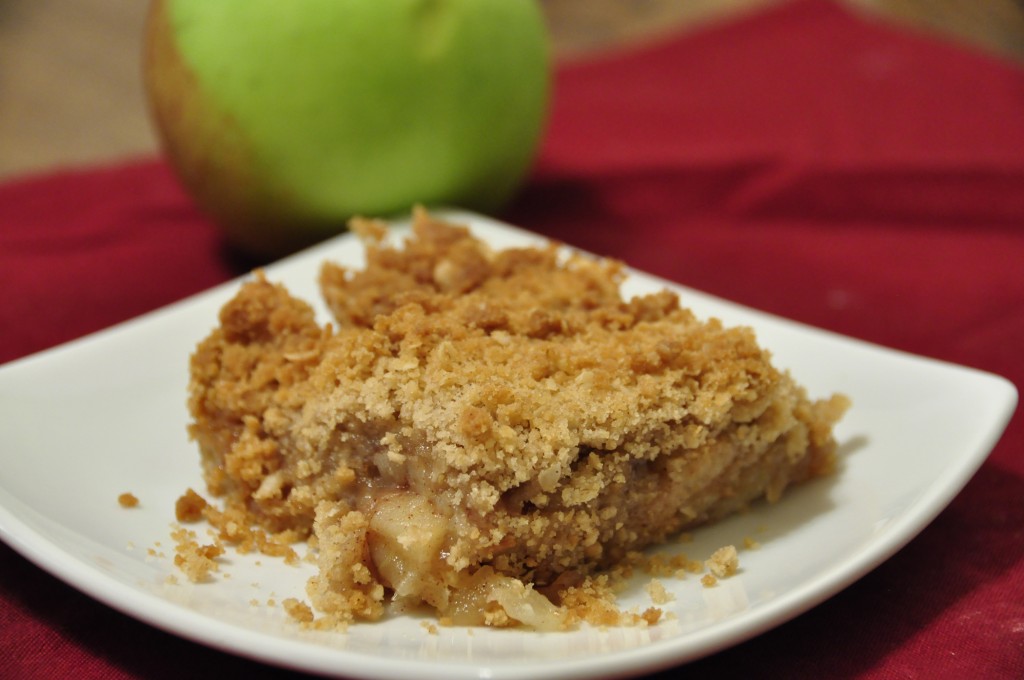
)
(106, 414)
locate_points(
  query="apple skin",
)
(284, 118)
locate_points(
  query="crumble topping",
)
(491, 434)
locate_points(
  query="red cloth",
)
(803, 160)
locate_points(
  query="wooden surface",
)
(70, 90)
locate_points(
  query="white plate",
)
(85, 422)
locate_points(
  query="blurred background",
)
(71, 94)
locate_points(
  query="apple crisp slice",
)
(481, 430)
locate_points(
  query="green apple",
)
(284, 118)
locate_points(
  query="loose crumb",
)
(298, 610)
(750, 544)
(189, 508)
(197, 561)
(708, 580)
(128, 500)
(724, 562)
(594, 601)
(651, 616)
(658, 593)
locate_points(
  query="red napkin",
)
(805, 161)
